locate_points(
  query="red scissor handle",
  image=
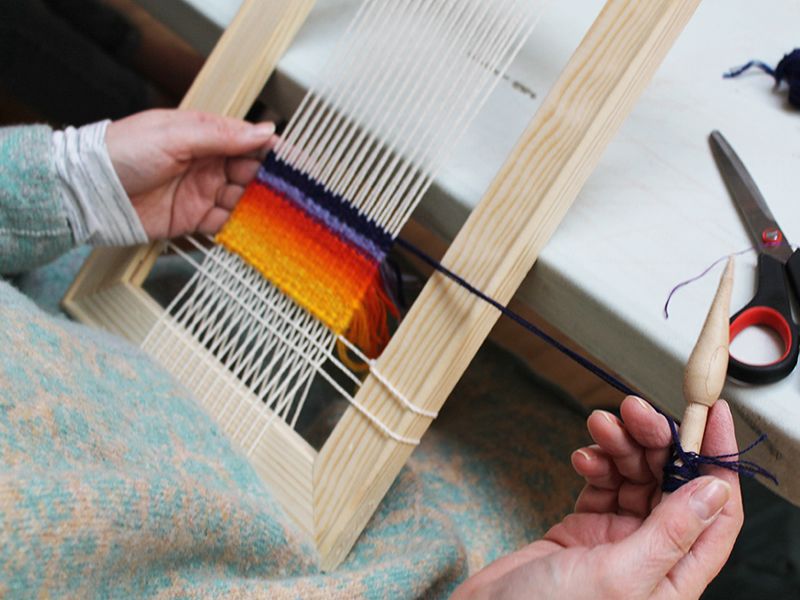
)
(763, 316)
(771, 309)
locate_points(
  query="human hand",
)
(621, 542)
(185, 171)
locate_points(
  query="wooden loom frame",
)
(331, 494)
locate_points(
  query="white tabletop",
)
(654, 213)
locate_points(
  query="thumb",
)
(203, 135)
(673, 527)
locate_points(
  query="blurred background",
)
(79, 61)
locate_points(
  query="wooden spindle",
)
(707, 367)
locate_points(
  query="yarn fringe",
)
(369, 328)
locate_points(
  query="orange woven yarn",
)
(329, 277)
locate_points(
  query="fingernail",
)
(646, 405)
(584, 454)
(607, 416)
(707, 501)
(263, 130)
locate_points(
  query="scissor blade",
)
(765, 231)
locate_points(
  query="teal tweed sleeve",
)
(33, 223)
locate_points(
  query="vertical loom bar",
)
(228, 84)
(246, 55)
(494, 251)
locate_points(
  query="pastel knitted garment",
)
(317, 249)
(115, 484)
(33, 225)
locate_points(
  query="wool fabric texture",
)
(115, 484)
(33, 226)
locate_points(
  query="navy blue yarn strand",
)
(753, 63)
(684, 466)
(788, 70)
(674, 475)
(581, 360)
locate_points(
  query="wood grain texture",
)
(494, 251)
(707, 367)
(540, 357)
(123, 309)
(249, 49)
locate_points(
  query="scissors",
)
(771, 307)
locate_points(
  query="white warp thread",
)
(402, 87)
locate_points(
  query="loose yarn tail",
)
(735, 72)
(788, 70)
(684, 466)
(369, 328)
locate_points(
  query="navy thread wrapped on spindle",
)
(683, 466)
(788, 70)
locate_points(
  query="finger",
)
(229, 196)
(241, 171)
(711, 551)
(650, 430)
(201, 135)
(260, 154)
(669, 533)
(268, 147)
(610, 434)
(645, 425)
(597, 467)
(656, 459)
(596, 500)
(213, 221)
(720, 439)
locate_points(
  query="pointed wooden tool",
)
(707, 368)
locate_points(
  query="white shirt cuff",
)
(97, 206)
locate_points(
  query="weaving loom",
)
(294, 290)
